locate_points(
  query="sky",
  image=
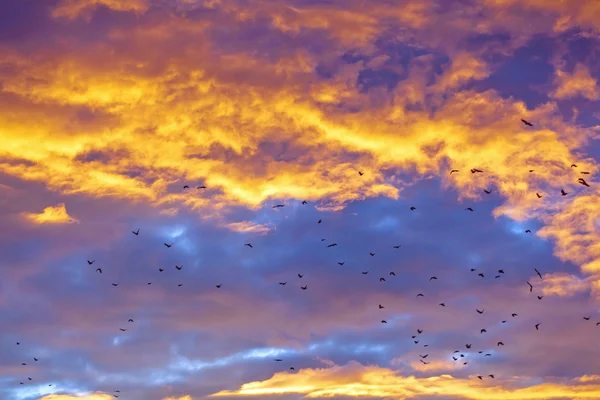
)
(294, 125)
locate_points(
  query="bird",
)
(468, 209)
(372, 254)
(483, 331)
(481, 275)
(383, 321)
(160, 270)
(201, 187)
(453, 171)
(319, 221)
(278, 360)
(35, 359)
(530, 287)
(304, 202)
(413, 208)
(433, 277)
(396, 247)
(392, 273)
(130, 320)
(278, 206)
(487, 191)
(292, 369)
(381, 307)
(332, 245)
(563, 193)
(115, 284)
(218, 286)
(186, 187)
(526, 122)
(136, 233)
(341, 262)
(585, 172)
(364, 272)
(480, 377)
(538, 272)
(425, 356)
(300, 275)
(178, 268)
(587, 318)
(539, 196)
(537, 326)
(419, 331)
(573, 165)
(90, 262)
(527, 230)
(491, 376)
(283, 283)
(249, 245)
(583, 182)
(479, 312)
(168, 245)
(420, 295)
(540, 297)
(424, 362)
(513, 315)
(361, 173)
(381, 279)
(304, 287)
(500, 344)
(99, 270)
(122, 330)
(468, 346)
(500, 271)
(442, 304)
(179, 285)
(475, 170)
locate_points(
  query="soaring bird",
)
(443, 304)
(419, 331)
(304, 287)
(168, 245)
(453, 171)
(487, 191)
(433, 277)
(392, 273)
(201, 187)
(341, 262)
(99, 270)
(526, 122)
(115, 284)
(481, 275)
(500, 271)
(583, 182)
(474, 170)
(420, 295)
(587, 318)
(468, 346)
(527, 230)
(361, 173)
(468, 209)
(383, 321)
(122, 330)
(585, 172)
(500, 344)
(372, 254)
(332, 245)
(540, 297)
(136, 232)
(304, 202)
(219, 285)
(479, 312)
(365, 272)
(381, 307)
(396, 247)
(563, 193)
(278, 360)
(249, 245)
(283, 283)
(483, 331)
(278, 206)
(35, 359)
(537, 326)
(381, 279)
(91, 262)
(160, 270)
(413, 208)
(130, 320)
(573, 165)
(319, 221)
(186, 187)
(530, 287)
(539, 196)
(538, 272)
(513, 315)
(300, 275)
(178, 268)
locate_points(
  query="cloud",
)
(355, 380)
(73, 9)
(563, 284)
(250, 227)
(98, 396)
(51, 215)
(579, 83)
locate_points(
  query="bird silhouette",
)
(420, 295)
(279, 206)
(539, 196)
(500, 344)
(283, 283)
(475, 170)
(304, 202)
(442, 304)
(383, 321)
(186, 187)
(468, 209)
(573, 165)
(341, 262)
(218, 286)
(319, 221)
(392, 273)
(178, 268)
(527, 230)
(300, 275)
(115, 284)
(537, 326)
(526, 122)
(583, 182)
(168, 245)
(530, 287)
(332, 245)
(136, 233)
(487, 191)
(304, 287)
(381, 279)
(201, 187)
(381, 307)
(396, 247)
(538, 272)
(99, 270)
(587, 318)
(413, 208)
(90, 262)
(365, 272)
(372, 254)
(453, 171)
(483, 331)
(479, 312)
(130, 320)
(433, 277)
(563, 193)
(248, 245)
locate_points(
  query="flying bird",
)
(530, 287)
(99, 270)
(90, 262)
(540, 297)
(500, 344)
(360, 173)
(381, 307)
(563, 193)
(136, 232)
(319, 221)
(392, 273)
(527, 230)
(468, 209)
(420, 295)
(168, 245)
(283, 283)
(453, 171)
(479, 312)
(383, 321)
(474, 170)
(587, 318)
(381, 279)
(442, 304)
(365, 272)
(249, 245)
(537, 327)
(122, 330)
(300, 275)
(218, 286)
(341, 262)
(396, 247)
(487, 191)
(539, 196)
(178, 268)
(160, 270)
(201, 187)
(372, 254)
(583, 182)
(278, 206)
(304, 202)
(115, 284)
(483, 331)
(304, 287)
(585, 172)
(513, 315)
(538, 272)
(332, 245)
(526, 122)
(186, 187)
(413, 208)
(573, 165)
(130, 320)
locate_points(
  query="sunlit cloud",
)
(562, 284)
(355, 380)
(98, 396)
(51, 215)
(250, 227)
(72, 9)
(579, 83)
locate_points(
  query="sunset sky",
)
(361, 108)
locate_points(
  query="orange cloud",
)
(73, 9)
(51, 215)
(97, 396)
(250, 227)
(355, 380)
(580, 82)
(563, 284)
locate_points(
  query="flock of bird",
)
(457, 356)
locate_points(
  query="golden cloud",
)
(563, 284)
(97, 396)
(580, 82)
(250, 227)
(113, 119)
(355, 380)
(51, 215)
(73, 9)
